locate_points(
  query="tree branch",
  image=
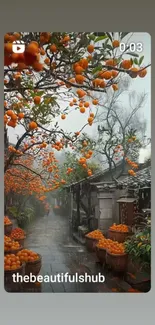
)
(31, 170)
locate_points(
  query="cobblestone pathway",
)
(50, 237)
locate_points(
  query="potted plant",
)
(139, 249)
(139, 245)
(23, 217)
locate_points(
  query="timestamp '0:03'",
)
(132, 47)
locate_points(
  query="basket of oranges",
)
(32, 260)
(12, 265)
(7, 226)
(92, 239)
(116, 257)
(119, 232)
(11, 246)
(101, 250)
(18, 235)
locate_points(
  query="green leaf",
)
(109, 47)
(92, 37)
(119, 60)
(40, 93)
(99, 68)
(131, 61)
(124, 34)
(133, 54)
(108, 52)
(105, 43)
(141, 60)
(109, 36)
(100, 38)
(136, 61)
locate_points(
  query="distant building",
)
(94, 200)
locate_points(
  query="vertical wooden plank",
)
(130, 213)
(78, 204)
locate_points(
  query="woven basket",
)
(8, 279)
(33, 267)
(8, 229)
(91, 244)
(20, 241)
(118, 236)
(101, 254)
(118, 262)
(11, 286)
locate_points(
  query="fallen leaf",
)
(133, 290)
(114, 290)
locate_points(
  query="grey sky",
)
(75, 120)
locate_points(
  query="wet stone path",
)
(50, 237)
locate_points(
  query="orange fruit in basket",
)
(11, 262)
(18, 233)
(7, 221)
(96, 234)
(7, 239)
(26, 255)
(10, 244)
(116, 248)
(120, 227)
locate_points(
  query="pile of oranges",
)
(10, 245)
(102, 243)
(11, 262)
(96, 234)
(17, 233)
(7, 239)
(120, 228)
(14, 255)
(7, 221)
(116, 248)
(112, 246)
(26, 255)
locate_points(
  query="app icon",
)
(18, 47)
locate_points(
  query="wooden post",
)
(89, 208)
(78, 204)
(127, 210)
(71, 208)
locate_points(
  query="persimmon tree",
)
(77, 168)
(121, 132)
(56, 67)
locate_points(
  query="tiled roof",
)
(142, 179)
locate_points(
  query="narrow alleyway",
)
(50, 237)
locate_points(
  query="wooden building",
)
(97, 201)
